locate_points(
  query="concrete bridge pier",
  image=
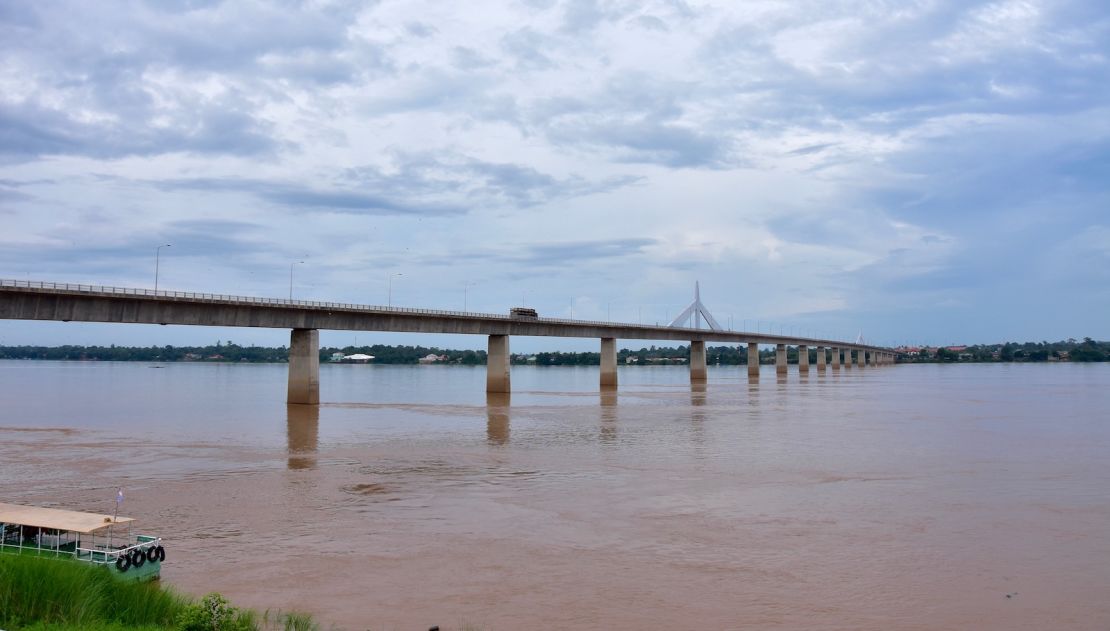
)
(861, 357)
(836, 358)
(780, 358)
(304, 367)
(608, 362)
(697, 362)
(820, 359)
(753, 359)
(497, 364)
(803, 358)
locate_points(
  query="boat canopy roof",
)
(57, 519)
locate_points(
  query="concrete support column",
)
(304, 367)
(803, 358)
(697, 361)
(497, 364)
(860, 353)
(780, 358)
(608, 362)
(820, 359)
(753, 359)
(836, 358)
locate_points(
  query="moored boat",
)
(102, 540)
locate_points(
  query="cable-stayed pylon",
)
(698, 311)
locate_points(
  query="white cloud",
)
(807, 160)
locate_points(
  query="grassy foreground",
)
(55, 595)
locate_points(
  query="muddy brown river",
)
(904, 497)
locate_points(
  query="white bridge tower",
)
(698, 311)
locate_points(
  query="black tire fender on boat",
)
(152, 554)
(161, 554)
(123, 562)
(138, 558)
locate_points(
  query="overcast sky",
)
(921, 171)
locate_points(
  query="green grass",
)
(60, 595)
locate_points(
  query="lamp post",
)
(291, 277)
(389, 294)
(157, 251)
(466, 284)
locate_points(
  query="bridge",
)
(31, 300)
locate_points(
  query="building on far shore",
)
(357, 358)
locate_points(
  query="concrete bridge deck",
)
(31, 300)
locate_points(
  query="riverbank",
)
(56, 595)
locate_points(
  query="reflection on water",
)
(497, 417)
(871, 499)
(698, 393)
(608, 400)
(302, 427)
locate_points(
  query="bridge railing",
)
(313, 304)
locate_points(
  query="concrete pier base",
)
(820, 359)
(753, 359)
(608, 362)
(836, 358)
(697, 362)
(803, 358)
(780, 358)
(497, 364)
(860, 357)
(304, 367)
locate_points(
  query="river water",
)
(901, 497)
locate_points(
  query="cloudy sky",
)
(921, 171)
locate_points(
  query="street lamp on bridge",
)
(291, 277)
(157, 251)
(466, 284)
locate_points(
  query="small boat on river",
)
(102, 540)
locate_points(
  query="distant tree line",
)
(1088, 350)
(407, 354)
(231, 352)
(219, 352)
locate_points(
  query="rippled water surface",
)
(903, 497)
